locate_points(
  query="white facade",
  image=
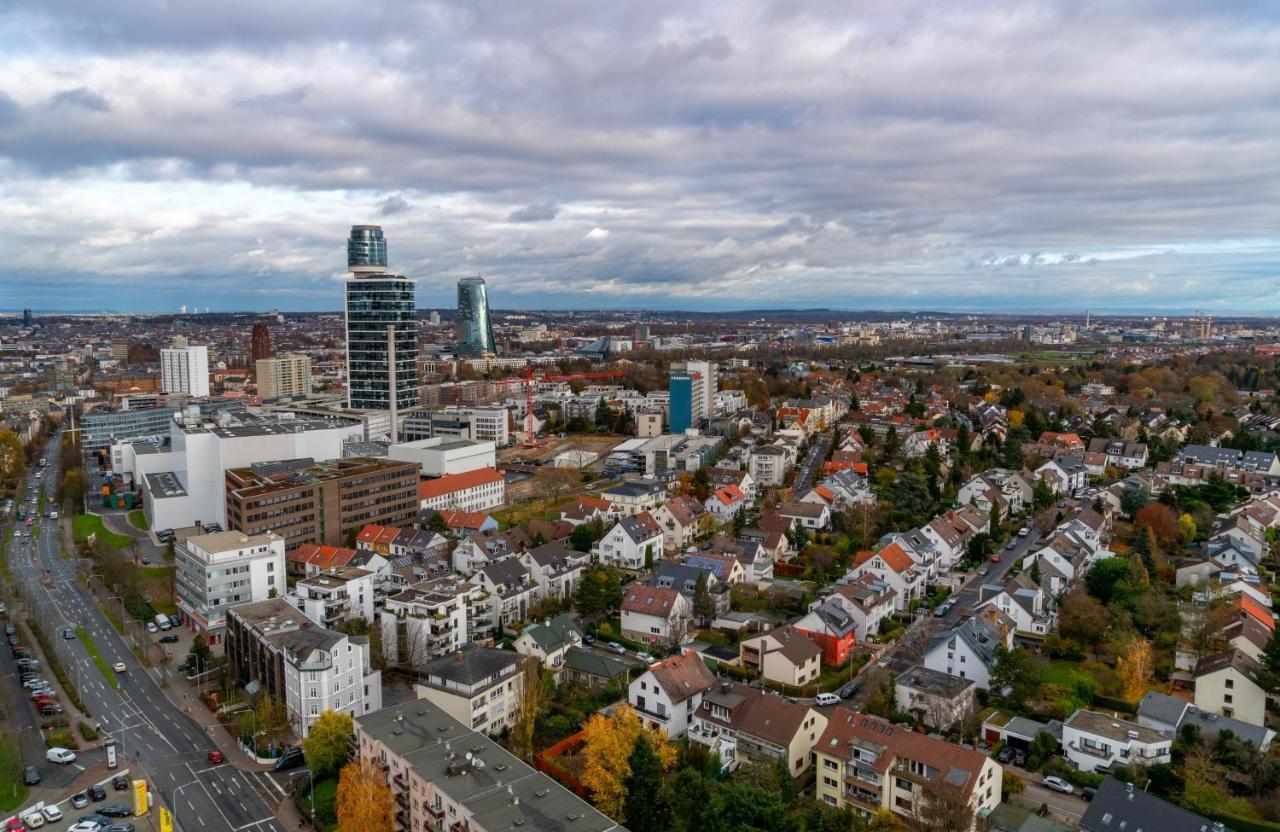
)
(440, 456)
(1092, 740)
(220, 570)
(330, 677)
(336, 594)
(185, 370)
(474, 491)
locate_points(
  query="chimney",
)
(1128, 789)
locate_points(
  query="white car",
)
(84, 826)
(119, 667)
(51, 813)
(33, 819)
(62, 756)
(827, 699)
(1059, 785)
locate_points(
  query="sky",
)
(1025, 155)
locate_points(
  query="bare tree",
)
(531, 705)
(940, 806)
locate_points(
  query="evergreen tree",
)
(687, 796)
(644, 809)
(1269, 676)
(704, 606)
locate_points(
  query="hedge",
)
(1100, 701)
(1245, 824)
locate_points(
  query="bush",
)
(62, 738)
(1110, 703)
(88, 731)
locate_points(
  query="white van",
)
(112, 762)
(826, 699)
(162, 621)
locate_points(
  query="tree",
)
(1010, 784)
(704, 606)
(942, 807)
(1016, 674)
(1187, 529)
(1083, 619)
(364, 800)
(436, 523)
(686, 798)
(643, 809)
(606, 751)
(1105, 577)
(1162, 522)
(582, 537)
(589, 597)
(738, 808)
(532, 704)
(701, 483)
(326, 746)
(1132, 499)
(1042, 495)
(1135, 668)
(1269, 674)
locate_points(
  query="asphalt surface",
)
(157, 740)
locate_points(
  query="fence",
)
(545, 761)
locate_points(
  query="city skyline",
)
(914, 156)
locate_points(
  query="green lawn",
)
(13, 792)
(87, 524)
(138, 518)
(107, 672)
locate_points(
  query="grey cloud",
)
(392, 205)
(81, 97)
(10, 111)
(540, 212)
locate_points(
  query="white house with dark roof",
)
(550, 641)
(481, 687)
(555, 569)
(968, 650)
(1162, 712)
(633, 542)
(513, 589)
(655, 614)
(1023, 601)
(1064, 476)
(667, 695)
(634, 496)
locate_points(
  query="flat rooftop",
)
(164, 484)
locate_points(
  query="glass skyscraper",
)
(376, 301)
(475, 333)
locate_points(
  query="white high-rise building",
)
(185, 369)
(217, 571)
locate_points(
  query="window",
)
(831, 765)
(1231, 683)
(830, 782)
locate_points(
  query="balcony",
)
(900, 770)
(436, 812)
(401, 781)
(862, 774)
(650, 715)
(1090, 750)
(402, 798)
(864, 799)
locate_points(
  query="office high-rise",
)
(377, 301)
(692, 387)
(475, 333)
(27, 317)
(260, 342)
(284, 376)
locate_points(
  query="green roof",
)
(594, 664)
(555, 633)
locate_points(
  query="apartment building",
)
(310, 668)
(870, 765)
(335, 594)
(220, 570)
(1095, 741)
(483, 489)
(431, 618)
(304, 501)
(744, 724)
(283, 376)
(185, 369)
(446, 776)
(479, 686)
(485, 424)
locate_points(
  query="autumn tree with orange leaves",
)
(609, 741)
(364, 800)
(1135, 666)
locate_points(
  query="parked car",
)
(33, 819)
(30, 775)
(849, 690)
(645, 657)
(97, 793)
(1024, 531)
(1059, 785)
(85, 826)
(615, 647)
(588, 639)
(1019, 758)
(115, 810)
(120, 783)
(827, 699)
(120, 826)
(1005, 755)
(152, 628)
(1088, 792)
(51, 813)
(995, 558)
(940, 611)
(15, 825)
(61, 756)
(79, 800)
(169, 639)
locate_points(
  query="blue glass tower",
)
(475, 333)
(680, 390)
(377, 301)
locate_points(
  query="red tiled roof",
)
(321, 555)
(464, 519)
(894, 556)
(373, 533)
(1245, 604)
(844, 726)
(730, 494)
(450, 483)
(649, 600)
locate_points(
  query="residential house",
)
(1227, 684)
(870, 765)
(1023, 601)
(968, 650)
(1094, 741)
(1120, 807)
(655, 615)
(310, 558)
(592, 669)
(1064, 476)
(513, 589)
(681, 519)
(669, 693)
(726, 503)
(1168, 714)
(1119, 453)
(634, 543)
(431, 618)
(784, 654)
(768, 464)
(684, 577)
(556, 569)
(811, 516)
(893, 565)
(550, 641)
(939, 700)
(720, 477)
(832, 628)
(744, 724)
(868, 599)
(334, 595)
(630, 498)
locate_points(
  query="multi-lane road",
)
(157, 740)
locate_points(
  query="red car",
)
(15, 825)
(215, 756)
(995, 558)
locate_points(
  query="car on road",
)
(119, 667)
(290, 759)
(215, 756)
(68, 633)
(51, 813)
(1011, 545)
(995, 558)
(588, 639)
(645, 657)
(120, 783)
(826, 699)
(79, 800)
(1088, 792)
(61, 756)
(9, 629)
(940, 611)
(169, 639)
(1024, 531)
(97, 793)
(115, 810)
(615, 647)
(1059, 785)
(30, 775)
(983, 571)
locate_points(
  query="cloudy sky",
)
(896, 154)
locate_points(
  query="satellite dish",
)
(468, 756)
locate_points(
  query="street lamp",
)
(311, 794)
